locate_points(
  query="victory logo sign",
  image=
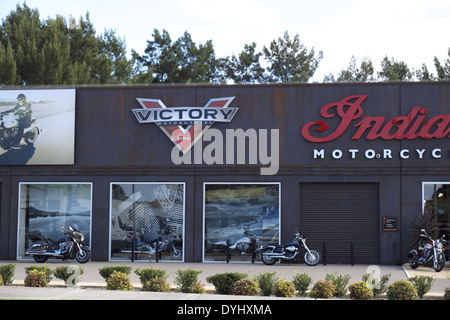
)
(179, 123)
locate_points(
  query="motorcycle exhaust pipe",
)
(275, 255)
(42, 253)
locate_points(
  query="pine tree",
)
(290, 61)
(7, 66)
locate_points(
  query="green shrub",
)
(118, 281)
(266, 282)
(339, 282)
(157, 285)
(246, 287)
(44, 268)
(422, 284)
(322, 289)
(185, 279)
(284, 288)
(378, 285)
(302, 282)
(224, 283)
(107, 271)
(146, 275)
(198, 288)
(7, 273)
(36, 278)
(70, 274)
(402, 290)
(1, 280)
(360, 291)
(447, 294)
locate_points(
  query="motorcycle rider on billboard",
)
(23, 110)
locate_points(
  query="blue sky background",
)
(409, 30)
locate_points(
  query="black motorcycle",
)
(290, 251)
(430, 255)
(69, 247)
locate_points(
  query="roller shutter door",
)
(342, 219)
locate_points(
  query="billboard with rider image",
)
(37, 127)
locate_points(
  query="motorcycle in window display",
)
(430, 255)
(295, 248)
(170, 243)
(68, 247)
(242, 246)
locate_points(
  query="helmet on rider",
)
(21, 96)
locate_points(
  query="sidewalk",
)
(92, 285)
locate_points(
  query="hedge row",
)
(267, 284)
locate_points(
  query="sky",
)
(407, 30)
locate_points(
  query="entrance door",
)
(342, 220)
(436, 201)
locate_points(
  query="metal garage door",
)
(342, 221)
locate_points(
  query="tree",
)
(289, 60)
(160, 58)
(178, 62)
(8, 68)
(392, 70)
(112, 50)
(424, 75)
(354, 74)
(246, 68)
(51, 52)
(443, 71)
(56, 68)
(198, 64)
(21, 30)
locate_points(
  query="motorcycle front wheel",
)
(439, 264)
(83, 256)
(413, 263)
(312, 257)
(32, 135)
(265, 259)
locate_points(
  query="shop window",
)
(436, 201)
(239, 217)
(48, 207)
(147, 221)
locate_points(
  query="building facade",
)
(351, 166)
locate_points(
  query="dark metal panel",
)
(108, 134)
(433, 97)
(343, 215)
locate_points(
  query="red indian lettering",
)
(402, 127)
(354, 111)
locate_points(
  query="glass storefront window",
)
(49, 207)
(436, 201)
(239, 213)
(146, 217)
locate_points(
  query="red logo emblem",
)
(185, 125)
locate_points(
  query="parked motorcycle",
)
(68, 247)
(290, 251)
(430, 255)
(9, 131)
